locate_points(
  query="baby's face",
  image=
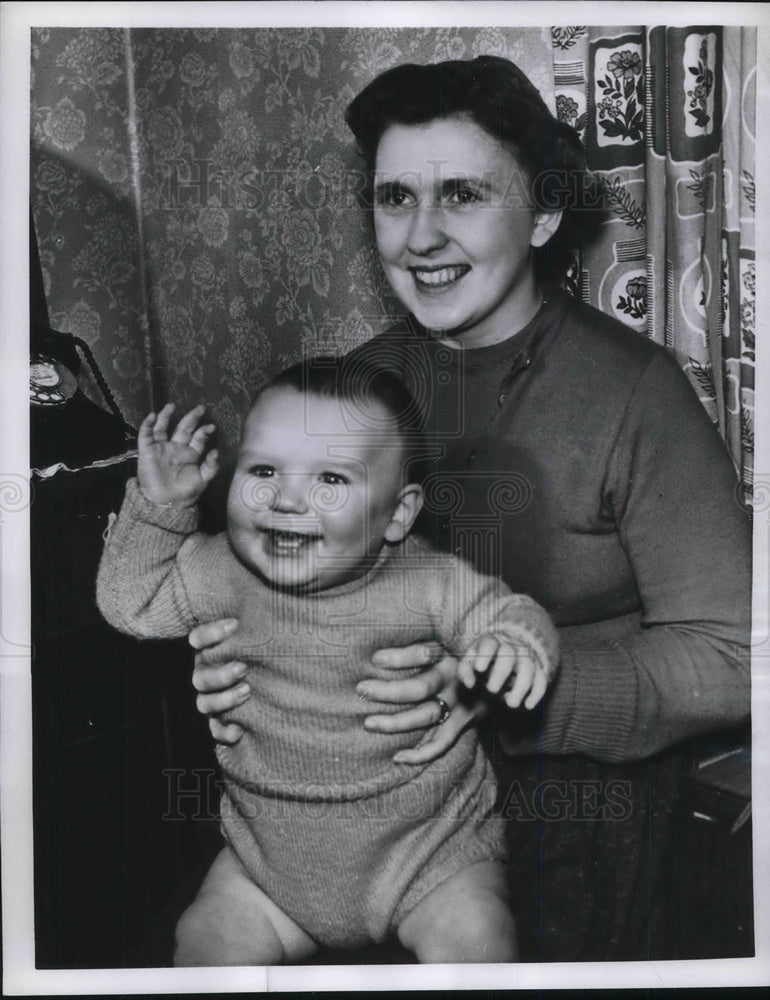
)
(310, 502)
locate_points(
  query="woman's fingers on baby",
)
(215, 678)
(418, 693)
(420, 654)
(211, 634)
(406, 721)
(404, 691)
(432, 746)
(216, 702)
(228, 734)
(439, 739)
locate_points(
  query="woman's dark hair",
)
(356, 384)
(496, 95)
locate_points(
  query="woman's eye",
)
(392, 197)
(464, 196)
(262, 471)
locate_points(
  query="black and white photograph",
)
(385, 534)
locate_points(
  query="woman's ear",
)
(546, 224)
(408, 505)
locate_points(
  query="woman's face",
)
(454, 229)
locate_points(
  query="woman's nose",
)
(427, 232)
(291, 495)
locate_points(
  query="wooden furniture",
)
(716, 900)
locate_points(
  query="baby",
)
(329, 840)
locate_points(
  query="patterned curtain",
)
(668, 120)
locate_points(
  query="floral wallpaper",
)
(194, 193)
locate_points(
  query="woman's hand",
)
(424, 694)
(220, 686)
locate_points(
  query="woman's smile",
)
(438, 279)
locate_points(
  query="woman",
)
(556, 467)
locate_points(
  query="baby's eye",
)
(332, 479)
(262, 471)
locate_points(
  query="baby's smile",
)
(282, 542)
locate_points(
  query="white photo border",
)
(19, 974)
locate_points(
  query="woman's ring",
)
(446, 711)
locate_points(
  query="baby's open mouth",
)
(440, 278)
(289, 541)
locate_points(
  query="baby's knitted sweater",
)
(343, 839)
(306, 652)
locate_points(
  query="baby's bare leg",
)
(464, 919)
(232, 922)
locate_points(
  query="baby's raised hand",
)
(175, 470)
(512, 671)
